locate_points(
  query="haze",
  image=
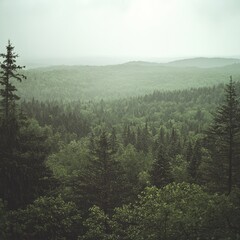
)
(89, 31)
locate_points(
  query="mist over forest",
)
(119, 120)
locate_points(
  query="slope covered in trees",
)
(204, 62)
(72, 83)
(159, 166)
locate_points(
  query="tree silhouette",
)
(9, 71)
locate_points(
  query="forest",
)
(148, 163)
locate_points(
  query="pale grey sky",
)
(141, 29)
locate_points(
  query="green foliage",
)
(23, 144)
(179, 169)
(136, 165)
(177, 211)
(98, 225)
(2, 219)
(195, 161)
(154, 139)
(102, 182)
(47, 218)
(70, 121)
(234, 220)
(73, 83)
(161, 172)
(224, 141)
(9, 71)
(23, 173)
(186, 111)
(71, 158)
(202, 62)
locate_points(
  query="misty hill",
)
(117, 81)
(204, 62)
(143, 63)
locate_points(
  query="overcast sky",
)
(134, 29)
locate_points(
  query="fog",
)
(115, 31)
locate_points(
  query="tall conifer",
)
(9, 71)
(225, 140)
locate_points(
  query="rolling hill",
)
(117, 81)
(204, 62)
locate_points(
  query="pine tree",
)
(224, 134)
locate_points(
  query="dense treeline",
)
(73, 83)
(193, 106)
(160, 166)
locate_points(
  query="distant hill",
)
(143, 63)
(70, 83)
(204, 62)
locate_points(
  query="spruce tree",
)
(103, 182)
(23, 144)
(224, 135)
(195, 160)
(160, 173)
(113, 141)
(9, 123)
(9, 71)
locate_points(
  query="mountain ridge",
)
(204, 62)
(117, 81)
(198, 62)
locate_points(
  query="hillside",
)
(204, 62)
(117, 81)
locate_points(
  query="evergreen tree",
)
(113, 141)
(139, 139)
(195, 160)
(160, 173)
(159, 141)
(46, 218)
(23, 144)
(224, 134)
(9, 71)
(145, 138)
(23, 173)
(9, 124)
(103, 181)
(162, 135)
(189, 152)
(174, 144)
(125, 135)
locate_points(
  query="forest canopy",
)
(152, 164)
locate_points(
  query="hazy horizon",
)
(102, 61)
(110, 32)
